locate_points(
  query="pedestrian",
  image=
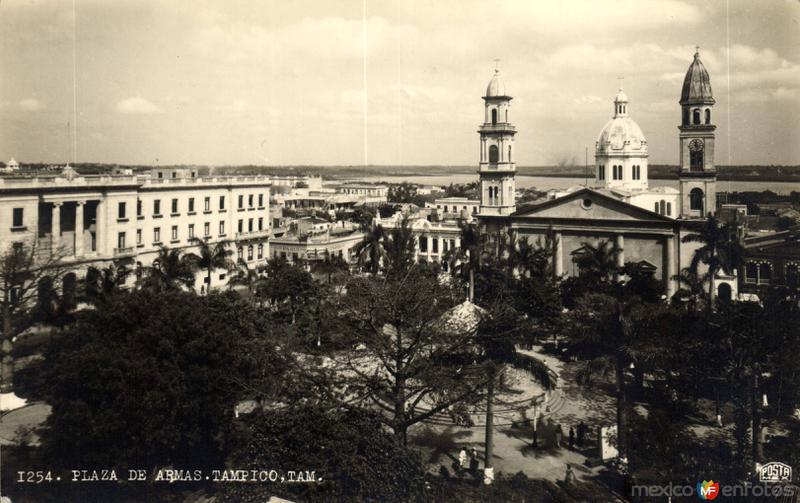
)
(462, 458)
(473, 462)
(559, 435)
(581, 433)
(569, 478)
(571, 438)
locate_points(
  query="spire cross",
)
(496, 63)
(620, 79)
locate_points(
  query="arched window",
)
(509, 153)
(494, 154)
(696, 116)
(685, 116)
(708, 116)
(724, 292)
(764, 273)
(494, 116)
(669, 209)
(506, 114)
(601, 172)
(662, 207)
(696, 199)
(655, 209)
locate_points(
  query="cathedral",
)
(644, 224)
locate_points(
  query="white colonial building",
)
(92, 221)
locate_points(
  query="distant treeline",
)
(656, 171)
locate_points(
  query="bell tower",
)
(698, 175)
(497, 168)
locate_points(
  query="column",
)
(100, 227)
(79, 228)
(416, 249)
(55, 228)
(669, 252)
(429, 241)
(441, 249)
(620, 248)
(558, 259)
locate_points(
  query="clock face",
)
(696, 145)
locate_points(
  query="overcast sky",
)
(284, 82)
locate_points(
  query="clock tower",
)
(698, 175)
(497, 168)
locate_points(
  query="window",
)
(157, 235)
(708, 116)
(601, 172)
(241, 202)
(121, 240)
(792, 276)
(685, 117)
(249, 225)
(17, 218)
(207, 229)
(157, 207)
(250, 252)
(239, 253)
(260, 224)
(250, 200)
(435, 245)
(662, 207)
(191, 205)
(764, 273)
(696, 116)
(221, 228)
(494, 154)
(121, 211)
(174, 206)
(655, 209)
(509, 153)
(191, 231)
(261, 251)
(174, 233)
(138, 207)
(669, 209)
(751, 273)
(221, 203)
(494, 116)
(636, 172)
(240, 229)
(423, 244)
(261, 200)
(616, 172)
(696, 199)
(207, 204)
(138, 236)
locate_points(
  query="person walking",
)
(462, 459)
(581, 433)
(569, 478)
(571, 438)
(474, 464)
(559, 435)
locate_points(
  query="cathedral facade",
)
(644, 225)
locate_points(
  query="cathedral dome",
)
(496, 86)
(621, 133)
(696, 85)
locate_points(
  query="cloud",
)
(136, 105)
(31, 105)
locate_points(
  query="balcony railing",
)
(502, 126)
(253, 234)
(120, 252)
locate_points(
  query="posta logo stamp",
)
(775, 472)
(708, 489)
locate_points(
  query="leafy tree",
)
(330, 265)
(210, 256)
(287, 288)
(148, 380)
(400, 246)
(402, 193)
(169, 271)
(24, 269)
(353, 457)
(243, 275)
(720, 249)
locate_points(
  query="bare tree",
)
(23, 268)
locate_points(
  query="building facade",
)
(92, 221)
(496, 167)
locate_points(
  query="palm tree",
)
(170, 271)
(599, 262)
(371, 250)
(330, 265)
(245, 276)
(720, 249)
(694, 284)
(211, 256)
(466, 259)
(100, 284)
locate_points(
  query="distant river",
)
(547, 182)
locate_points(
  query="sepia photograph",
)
(513, 251)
